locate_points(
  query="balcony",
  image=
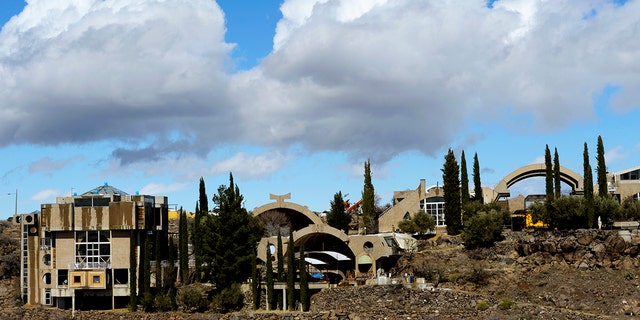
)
(90, 265)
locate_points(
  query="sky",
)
(295, 95)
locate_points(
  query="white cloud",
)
(368, 78)
(47, 195)
(161, 188)
(47, 164)
(246, 165)
(614, 154)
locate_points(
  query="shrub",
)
(482, 305)
(479, 274)
(163, 303)
(192, 299)
(229, 299)
(483, 230)
(505, 304)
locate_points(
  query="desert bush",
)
(483, 230)
(482, 305)
(505, 304)
(229, 299)
(478, 274)
(192, 299)
(164, 302)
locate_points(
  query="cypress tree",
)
(291, 272)
(556, 174)
(280, 257)
(304, 284)
(198, 229)
(464, 180)
(133, 270)
(338, 217)
(171, 274)
(588, 188)
(548, 175)
(281, 276)
(451, 188)
(183, 247)
(255, 284)
(477, 186)
(270, 297)
(601, 169)
(147, 298)
(369, 216)
(158, 258)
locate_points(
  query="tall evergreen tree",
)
(601, 169)
(338, 217)
(230, 237)
(588, 187)
(304, 283)
(255, 283)
(147, 298)
(464, 180)
(198, 230)
(548, 175)
(133, 272)
(556, 175)
(280, 274)
(183, 247)
(368, 206)
(451, 188)
(477, 185)
(171, 274)
(280, 257)
(291, 272)
(271, 305)
(158, 258)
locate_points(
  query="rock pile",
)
(583, 249)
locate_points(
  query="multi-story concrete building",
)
(76, 252)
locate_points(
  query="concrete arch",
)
(300, 216)
(574, 180)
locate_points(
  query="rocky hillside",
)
(584, 274)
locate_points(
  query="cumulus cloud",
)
(370, 78)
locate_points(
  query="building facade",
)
(76, 253)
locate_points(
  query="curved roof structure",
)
(574, 180)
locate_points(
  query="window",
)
(46, 278)
(63, 275)
(47, 296)
(96, 279)
(46, 259)
(93, 249)
(77, 279)
(434, 207)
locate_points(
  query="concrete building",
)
(624, 184)
(75, 253)
(331, 253)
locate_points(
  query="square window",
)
(77, 279)
(96, 279)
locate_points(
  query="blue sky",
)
(293, 96)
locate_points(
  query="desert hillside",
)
(584, 274)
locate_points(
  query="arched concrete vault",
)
(297, 216)
(574, 180)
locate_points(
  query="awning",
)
(334, 254)
(314, 261)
